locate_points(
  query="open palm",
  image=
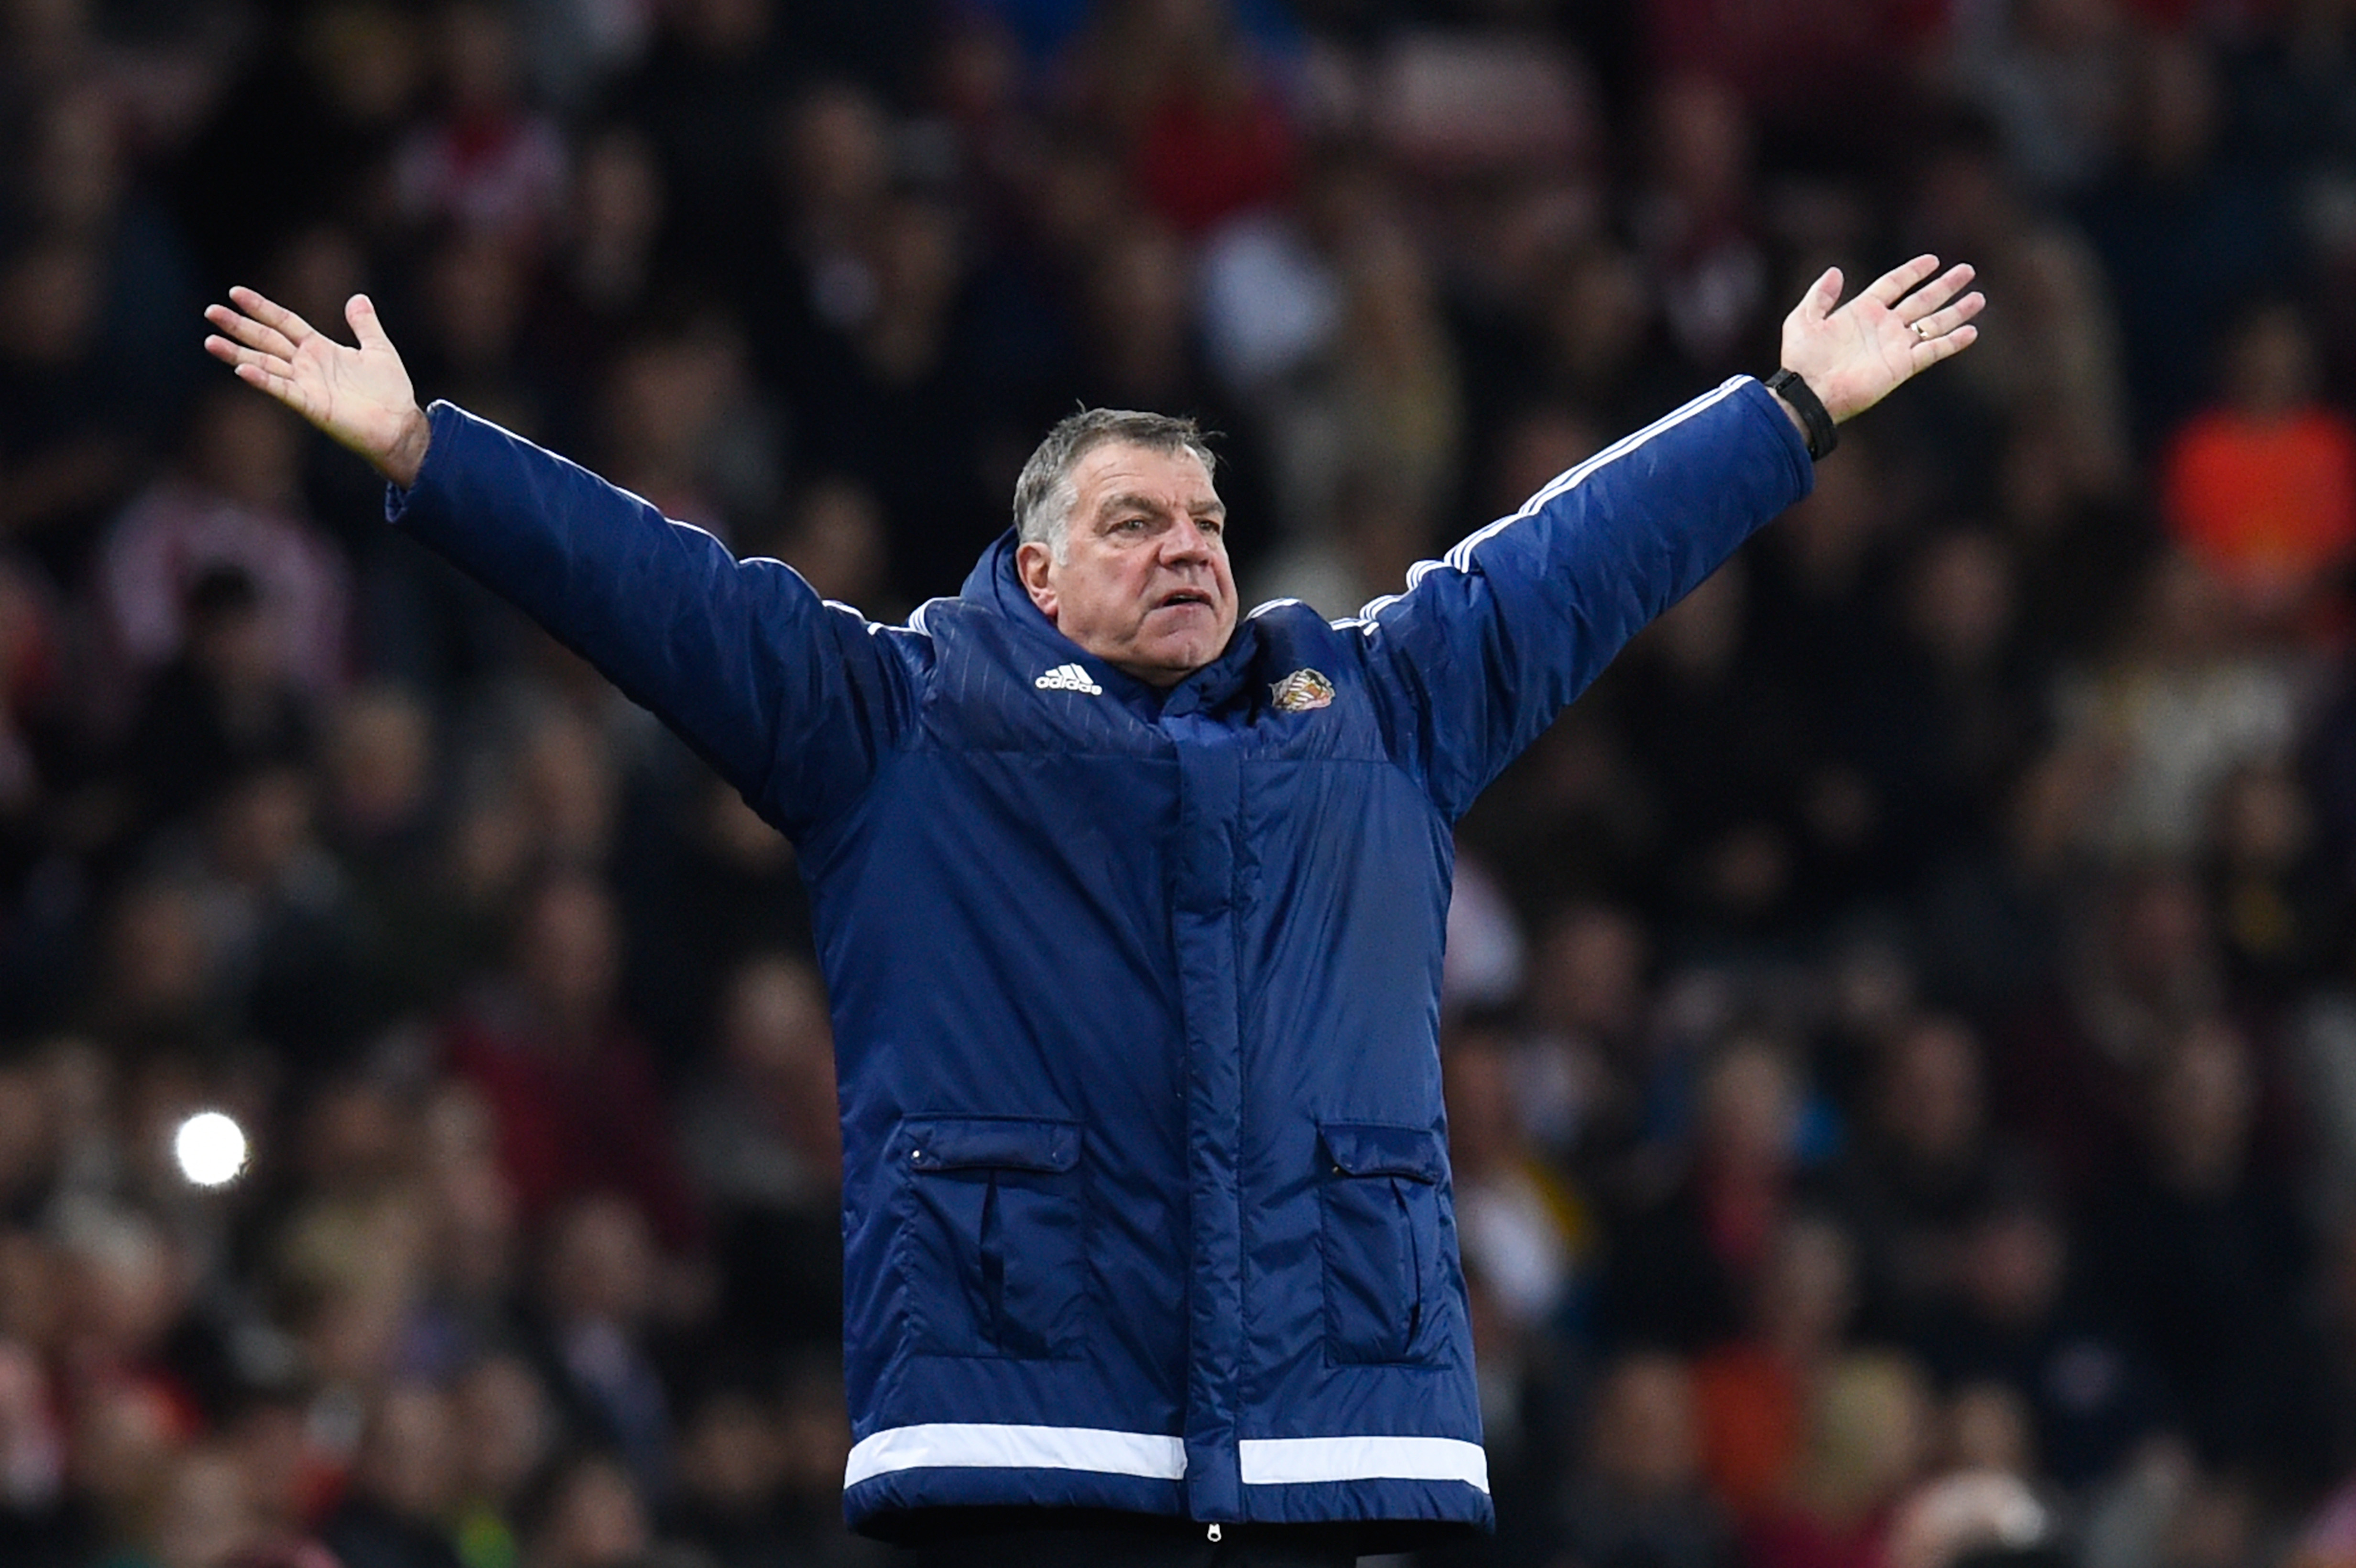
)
(362, 397)
(1904, 323)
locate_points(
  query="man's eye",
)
(1213, 526)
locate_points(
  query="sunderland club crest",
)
(1302, 691)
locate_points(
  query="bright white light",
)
(210, 1149)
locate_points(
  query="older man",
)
(1131, 915)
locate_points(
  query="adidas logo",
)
(1068, 678)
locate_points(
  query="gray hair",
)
(1046, 494)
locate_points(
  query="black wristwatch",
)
(1823, 435)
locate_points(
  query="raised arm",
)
(1904, 323)
(1486, 646)
(361, 396)
(794, 701)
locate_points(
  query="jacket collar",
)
(995, 588)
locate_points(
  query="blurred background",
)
(1901, 1025)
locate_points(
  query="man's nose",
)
(1189, 541)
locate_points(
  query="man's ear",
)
(1035, 564)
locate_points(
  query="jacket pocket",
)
(1380, 1234)
(991, 1249)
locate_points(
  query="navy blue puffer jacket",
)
(1145, 1188)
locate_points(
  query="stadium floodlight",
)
(211, 1147)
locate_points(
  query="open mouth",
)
(1181, 597)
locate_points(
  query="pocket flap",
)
(997, 1143)
(1368, 1148)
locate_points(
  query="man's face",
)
(1144, 584)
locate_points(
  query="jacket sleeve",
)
(795, 700)
(1484, 648)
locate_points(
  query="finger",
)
(1940, 323)
(361, 312)
(282, 388)
(250, 332)
(270, 313)
(1892, 285)
(1945, 346)
(233, 354)
(1934, 295)
(231, 351)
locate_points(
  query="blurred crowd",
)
(1901, 1025)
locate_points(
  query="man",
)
(1131, 916)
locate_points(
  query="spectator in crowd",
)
(2031, 1320)
(220, 709)
(766, 1150)
(1585, 1072)
(2278, 909)
(2194, 1239)
(587, 1513)
(396, 1515)
(814, 1427)
(1179, 89)
(2073, 1065)
(1961, 693)
(486, 162)
(1751, 1391)
(705, 94)
(202, 1513)
(2062, 372)
(1695, 221)
(2261, 487)
(1685, 1256)
(507, 1433)
(1522, 1229)
(1968, 1516)
(1922, 1170)
(472, 286)
(2179, 218)
(597, 1298)
(73, 430)
(608, 261)
(238, 505)
(1728, 851)
(683, 426)
(571, 1088)
(1605, 354)
(730, 1466)
(1638, 1502)
(1868, 1435)
(33, 1526)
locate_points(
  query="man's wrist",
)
(1807, 412)
(400, 465)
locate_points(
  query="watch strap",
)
(1823, 435)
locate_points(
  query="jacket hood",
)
(995, 587)
(994, 584)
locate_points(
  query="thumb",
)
(362, 314)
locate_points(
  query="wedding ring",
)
(1922, 331)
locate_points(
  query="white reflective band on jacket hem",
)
(1289, 1461)
(984, 1446)
(1265, 1461)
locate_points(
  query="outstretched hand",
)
(1853, 356)
(362, 397)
